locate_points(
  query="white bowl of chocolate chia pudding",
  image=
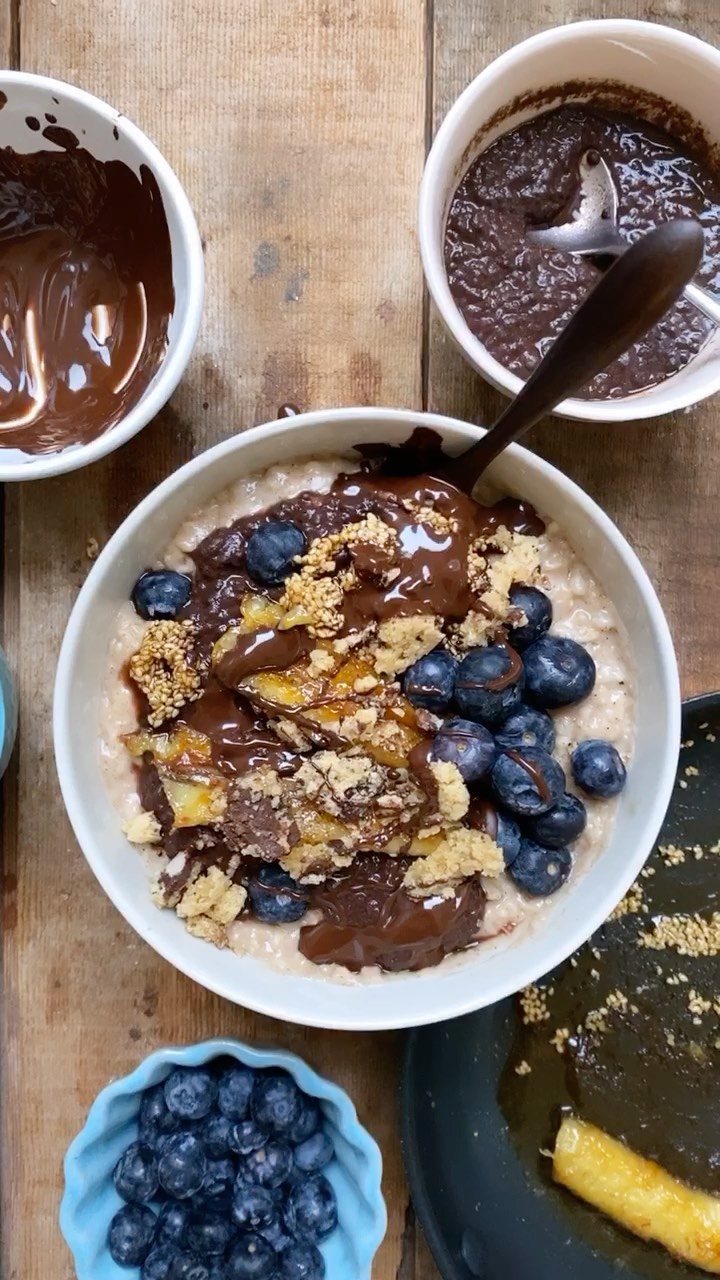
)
(258, 746)
(103, 278)
(506, 161)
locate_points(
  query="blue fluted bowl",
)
(90, 1199)
(8, 713)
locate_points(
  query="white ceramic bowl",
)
(643, 55)
(94, 122)
(495, 968)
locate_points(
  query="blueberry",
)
(561, 825)
(558, 672)
(597, 768)
(214, 1133)
(528, 783)
(302, 1262)
(247, 1136)
(159, 1263)
(275, 1234)
(311, 1209)
(276, 1102)
(312, 1155)
(131, 1234)
(271, 1165)
(209, 1235)
(275, 897)
(155, 1117)
(540, 871)
(217, 1269)
(135, 1174)
(271, 551)
(526, 727)
(189, 1267)
(251, 1259)
(160, 593)
(466, 744)
(489, 683)
(253, 1206)
(430, 682)
(190, 1092)
(182, 1166)
(219, 1177)
(308, 1122)
(538, 611)
(234, 1091)
(172, 1224)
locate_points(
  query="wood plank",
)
(655, 479)
(301, 144)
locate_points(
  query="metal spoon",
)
(593, 229)
(628, 300)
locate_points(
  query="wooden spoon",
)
(628, 300)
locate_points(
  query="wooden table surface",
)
(299, 128)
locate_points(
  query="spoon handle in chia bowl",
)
(632, 295)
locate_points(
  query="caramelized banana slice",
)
(195, 804)
(183, 749)
(639, 1194)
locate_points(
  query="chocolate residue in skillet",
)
(370, 919)
(650, 1077)
(86, 294)
(517, 296)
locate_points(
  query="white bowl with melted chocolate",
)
(102, 278)
(506, 159)
(498, 964)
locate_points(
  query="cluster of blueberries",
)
(502, 740)
(225, 1181)
(270, 556)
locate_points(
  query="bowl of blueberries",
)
(221, 1161)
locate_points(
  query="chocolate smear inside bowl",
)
(516, 295)
(86, 288)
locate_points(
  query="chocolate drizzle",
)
(370, 919)
(86, 292)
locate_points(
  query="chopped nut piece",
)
(163, 670)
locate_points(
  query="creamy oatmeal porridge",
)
(337, 728)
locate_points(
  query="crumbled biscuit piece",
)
(453, 795)
(180, 871)
(320, 662)
(519, 562)
(230, 905)
(312, 863)
(291, 733)
(461, 853)
(475, 629)
(256, 822)
(401, 641)
(204, 893)
(143, 828)
(359, 724)
(163, 670)
(337, 781)
(364, 684)
(208, 930)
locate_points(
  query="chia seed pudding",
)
(344, 713)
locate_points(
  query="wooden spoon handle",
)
(629, 299)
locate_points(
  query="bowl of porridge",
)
(355, 750)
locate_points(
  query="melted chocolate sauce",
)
(370, 919)
(533, 772)
(240, 739)
(515, 295)
(86, 293)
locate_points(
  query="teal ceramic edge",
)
(90, 1199)
(8, 713)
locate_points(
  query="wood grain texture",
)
(299, 133)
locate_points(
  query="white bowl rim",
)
(189, 245)
(631, 408)
(344, 1020)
